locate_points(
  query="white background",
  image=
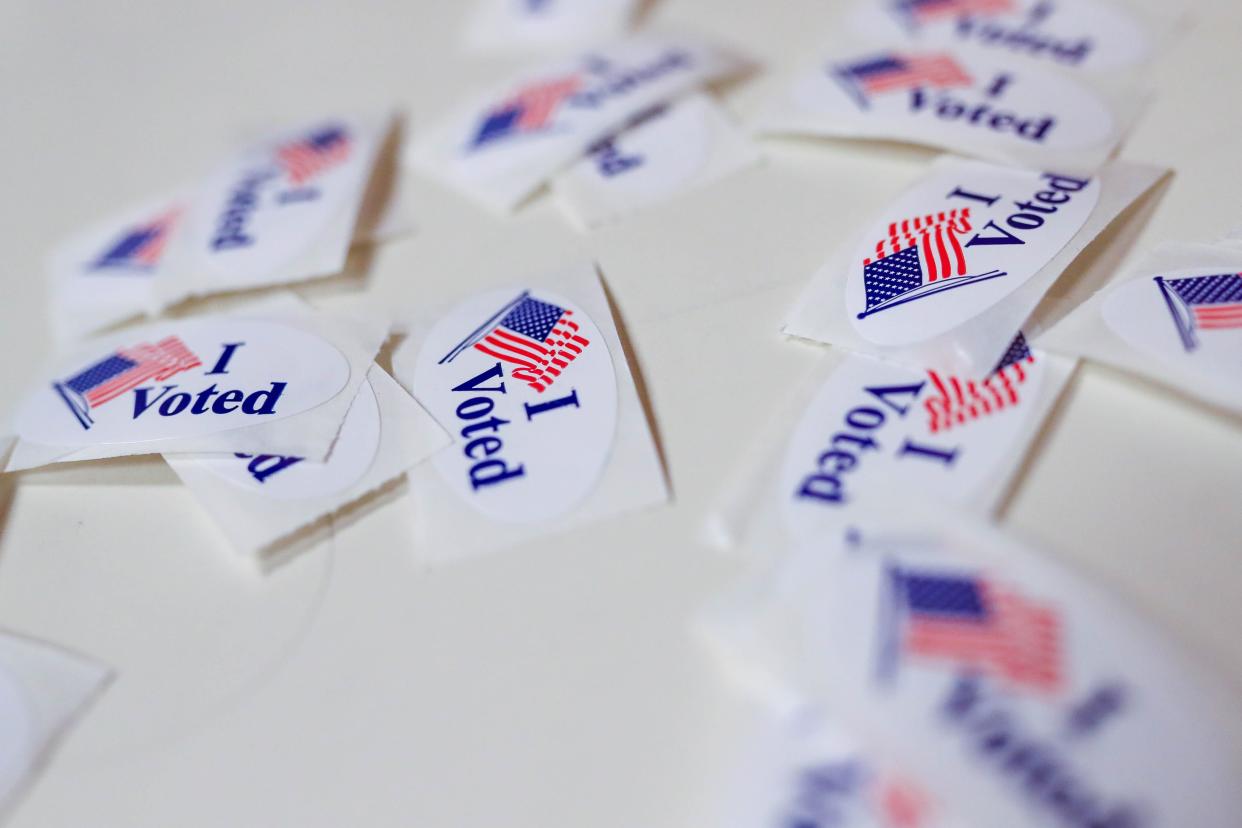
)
(556, 684)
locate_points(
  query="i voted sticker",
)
(525, 381)
(16, 735)
(262, 209)
(1008, 686)
(875, 429)
(294, 478)
(1081, 34)
(954, 100)
(959, 242)
(184, 378)
(1190, 318)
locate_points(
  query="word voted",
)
(170, 402)
(826, 484)
(946, 107)
(1031, 214)
(483, 435)
(1024, 38)
(1037, 770)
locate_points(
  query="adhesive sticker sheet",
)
(516, 26)
(501, 146)
(872, 431)
(535, 387)
(261, 500)
(672, 149)
(273, 377)
(971, 101)
(1020, 695)
(43, 691)
(1089, 36)
(947, 275)
(282, 210)
(1175, 316)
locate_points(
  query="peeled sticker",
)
(280, 211)
(277, 371)
(947, 275)
(43, 690)
(1004, 109)
(502, 146)
(672, 149)
(1175, 317)
(515, 26)
(261, 500)
(534, 386)
(1020, 695)
(1080, 35)
(874, 430)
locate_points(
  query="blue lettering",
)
(825, 483)
(222, 364)
(1030, 213)
(617, 84)
(489, 471)
(141, 402)
(1024, 38)
(243, 201)
(265, 465)
(259, 402)
(1034, 769)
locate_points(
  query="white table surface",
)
(554, 684)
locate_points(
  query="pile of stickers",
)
(920, 668)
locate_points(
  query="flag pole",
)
(1186, 332)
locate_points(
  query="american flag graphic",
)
(530, 110)
(1203, 303)
(916, 12)
(315, 153)
(919, 257)
(895, 72)
(956, 402)
(974, 623)
(139, 247)
(123, 371)
(539, 338)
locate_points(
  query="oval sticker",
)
(973, 100)
(524, 379)
(182, 378)
(268, 205)
(1075, 34)
(1190, 318)
(293, 478)
(960, 241)
(875, 428)
(17, 745)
